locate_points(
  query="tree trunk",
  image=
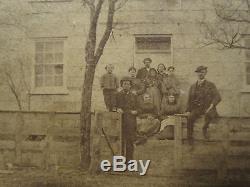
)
(85, 115)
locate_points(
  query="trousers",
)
(194, 115)
(109, 98)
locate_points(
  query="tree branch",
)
(91, 43)
(12, 87)
(108, 30)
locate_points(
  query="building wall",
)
(178, 18)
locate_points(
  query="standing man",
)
(109, 84)
(202, 100)
(126, 103)
(143, 72)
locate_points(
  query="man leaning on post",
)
(126, 104)
(202, 100)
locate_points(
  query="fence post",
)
(178, 142)
(48, 159)
(19, 137)
(223, 164)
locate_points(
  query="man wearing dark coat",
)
(143, 72)
(126, 104)
(203, 99)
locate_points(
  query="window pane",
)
(49, 47)
(153, 43)
(248, 78)
(39, 46)
(48, 81)
(58, 58)
(39, 58)
(39, 69)
(247, 67)
(49, 63)
(38, 81)
(59, 69)
(49, 58)
(58, 80)
(48, 69)
(247, 44)
(58, 46)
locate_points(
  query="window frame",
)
(49, 1)
(49, 90)
(153, 51)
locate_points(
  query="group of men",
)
(202, 100)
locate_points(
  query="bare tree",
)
(14, 64)
(93, 53)
(232, 23)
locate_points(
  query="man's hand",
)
(119, 110)
(134, 112)
(134, 92)
(188, 113)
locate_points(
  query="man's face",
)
(147, 98)
(171, 99)
(147, 64)
(132, 73)
(201, 74)
(126, 85)
(171, 71)
(110, 69)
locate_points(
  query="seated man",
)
(147, 122)
(169, 107)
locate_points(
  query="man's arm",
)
(188, 109)
(116, 82)
(216, 95)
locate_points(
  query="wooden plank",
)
(239, 136)
(178, 142)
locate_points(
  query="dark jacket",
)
(109, 81)
(146, 109)
(202, 96)
(127, 101)
(142, 73)
(138, 86)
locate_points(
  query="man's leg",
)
(106, 97)
(190, 125)
(112, 99)
(208, 118)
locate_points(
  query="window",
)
(247, 63)
(49, 1)
(153, 43)
(49, 63)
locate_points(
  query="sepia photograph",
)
(144, 93)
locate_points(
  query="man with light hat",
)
(202, 100)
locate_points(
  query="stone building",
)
(53, 35)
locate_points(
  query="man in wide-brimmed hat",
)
(202, 100)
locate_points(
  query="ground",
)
(76, 178)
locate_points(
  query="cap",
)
(200, 68)
(147, 60)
